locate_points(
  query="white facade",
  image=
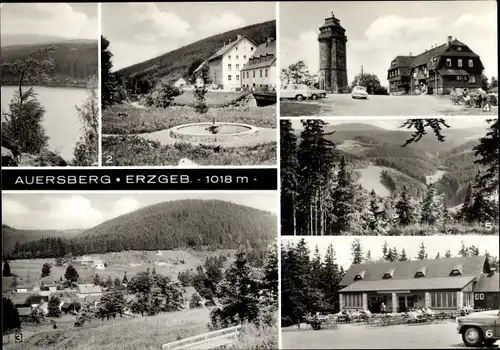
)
(180, 83)
(260, 78)
(224, 67)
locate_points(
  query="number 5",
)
(488, 226)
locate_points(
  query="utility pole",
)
(361, 71)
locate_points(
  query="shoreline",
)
(49, 85)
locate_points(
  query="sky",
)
(141, 31)
(72, 21)
(411, 244)
(394, 124)
(379, 31)
(63, 211)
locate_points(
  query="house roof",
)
(487, 284)
(91, 298)
(260, 64)
(88, 289)
(263, 50)
(471, 266)
(401, 61)
(409, 284)
(200, 66)
(226, 48)
(24, 311)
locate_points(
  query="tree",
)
(430, 212)
(377, 222)
(289, 177)
(125, 279)
(87, 148)
(493, 83)
(87, 312)
(483, 208)
(356, 252)
(117, 283)
(342, 198)
(71, 274)
(111, 304)
(465, 213)
(59, 261)
(298, 73)
(422, 254)
(437, 256)
(420, 126)
(54, 310)
(194, 65)
(108, 79)
(402, 256)
(331, 277)
(6, 269)
(195, 301)
(370, 82)
(10, 316)
(385, 249)
(404, 209)
(109, 282)
(447, 254)
(162, 95)
(487, 151)
(97, 280)
(484, 82)
(45, 270)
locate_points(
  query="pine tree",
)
(316, 269)
(330, 280)
(422, 254)
(10, 315)
(125, 279)
(54, 310)
(342, 198)
(108, 78)
(483, 208)
(403, 256)
(369, 255)
(45, 270)
(395, 254)
(97, 280)
(447, 254)
(356, 252)
(473, 250)
(404, 209)
(6, 269)
(71, 274)
(385, 249)
(430, 213)
(438, 256)
(463, 252)
(289, 177)
(377, 222)
(487, 150)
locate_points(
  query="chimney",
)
(449, 39)
(238, 37)
(410, 53)
(229, 42)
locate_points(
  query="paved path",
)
(351, 336)
(344, 105)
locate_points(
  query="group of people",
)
(480, 98)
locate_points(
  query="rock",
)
(8, 158)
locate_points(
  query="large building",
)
(436, 71)
(260, 71)
(332, 57)
(224, 66)
(440, 284)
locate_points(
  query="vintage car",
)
(480, 328)
(316, 93)
(296, 91)
(359, 92)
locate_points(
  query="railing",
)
(210, 340)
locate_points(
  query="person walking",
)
(382, 308)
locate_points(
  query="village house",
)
(179, 83)
(23, 288)
(86, 260)
(24, 313)
(440, 284)
(224, 66)
(98, 264)
(260, 71)
(87, 290)
(436, 71)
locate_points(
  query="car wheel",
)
(472, 337)
(299, 97)
(489, 342)
(314, 97)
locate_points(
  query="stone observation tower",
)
(332, 56)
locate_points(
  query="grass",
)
(146, 120)
(298, 109)
(255, 337)
(123, 333)
(136, 151)
(212, 98)
(450, 229)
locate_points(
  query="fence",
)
(210, 340)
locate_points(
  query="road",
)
(351, 336)
(407, 105)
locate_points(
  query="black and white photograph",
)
(391, 58)
(49, 64)
(389, 177)
(389, 292)
(156, 270)
(189, 84)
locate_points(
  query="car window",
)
(285, 87)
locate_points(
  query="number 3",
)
(488, 333)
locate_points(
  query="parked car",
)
(359, 92)
(296, 91)
(480, 328)
(317, 93)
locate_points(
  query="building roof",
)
(488, 283)
(88, 289)
(228, 47)
(401, 61)
(263, 51)
(24, 311)
(98, 262)
(409, 284)
(260, 64)
(91, 298)
(471, 266)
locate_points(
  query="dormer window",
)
(456, 271)
(421, 272)
(459, 62)
(459, 48)
(448, 62)
(359, 276)
(388, 274)
(471, 63)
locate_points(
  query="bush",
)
(162, 95)
(195, 302)
(186, 277)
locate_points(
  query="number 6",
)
(488, 333)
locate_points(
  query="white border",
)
(99, 86)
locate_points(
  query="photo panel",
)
(402, 59)
(50, 104)
(414, 177)
(159, 268)
(426, 292)
(189, 84)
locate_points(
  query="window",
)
(248, 74)
(229, 67)
(236, 50)
(353, 300)
(251, 49)
(359, 276)
(237, 57)
(261, 73)
(448, 62)
(460, 62)
(421, 272)
(444, 299)
(457, 269)
(229, 77)
(244, 57)
(472, 79)
(237, 67)
(459, 48)
(237, 77)
(266, 73)
(253, 74)
(229, 57)
(388, 274)
(459, 77)
(471, 63)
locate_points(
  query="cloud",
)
(71, 212)
(58, 19)
(123, 206)
(304, 48)
(488, 20)
(215, 24)
(12, 208)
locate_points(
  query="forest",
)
(310, 282)
(321, 194)
(195, 224)
(73, 63)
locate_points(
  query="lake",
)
(61, 122)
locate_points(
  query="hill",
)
(197, 224)
(74, 61)
(175, 64)
(34, 39)
(12, 235)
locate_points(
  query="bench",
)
(210, 340)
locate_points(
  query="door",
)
(402, 304)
